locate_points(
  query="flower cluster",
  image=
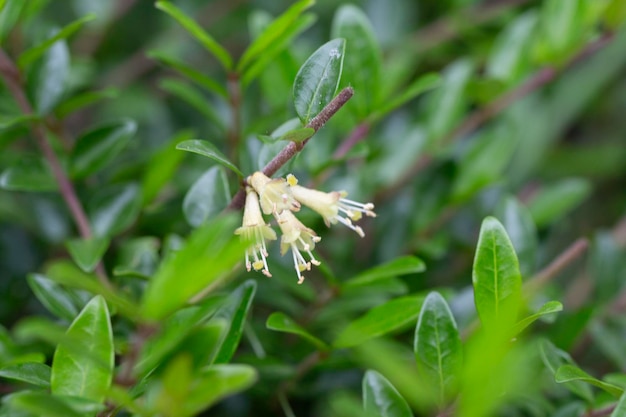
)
(280, 198)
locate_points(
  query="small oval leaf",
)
(208, 196)
(382, 399)
(280, 322)
(33, 373)
(317, 80)
(204, 148)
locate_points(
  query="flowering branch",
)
(293, 148)
(13, 80)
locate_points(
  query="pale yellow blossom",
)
(298, 238)
(275, 194)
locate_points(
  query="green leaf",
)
(31, 55)
(162, 167)
(194, 75)
(190, 95)
(42, 404)
(113, 209)
(82, 100)
(98, 147)
(9, 16)
(87, 252)
(9, 121)
(273, 52)
(422, 84)
(33, 373)
(53, 296)
(385, 318)
(446, 105)
(437, 346)
(521, 229)
(297, 135)
(50, 77)
(208, 196)
(273, 33)
(204, 148)
(235, 312)
(550, 307)
(28, 174)
(380, 398)
(217, 382)
(83, 363)
(568, 373)
(620, 408)
(363, 58)
(554, 358)
(205, 261)
(280, 322)
(198, 33)
(554, 201)
(496, 276)
(399, 266)
(318, 78)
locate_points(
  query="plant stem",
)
(569, 255)
(292, 149)
(13, 80)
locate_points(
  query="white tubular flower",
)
(275, 193)
(333, 207)
(254, 232)
(297, 237)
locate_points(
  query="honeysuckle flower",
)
(298, 238)
(254, 231)
(275, 194)
(331, 206)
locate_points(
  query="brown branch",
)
(600, 412)
(292, 149)
(13, 80)
(572, 253)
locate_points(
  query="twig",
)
(12, 78)
(292, 149)
(600, 412)
(572, 253)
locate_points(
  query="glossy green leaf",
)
(620, 408)
(318, 78)
(28, 174)
(113, 209)
(31, 55)
(50, 77)
(422, 84)
(548, 308)
(83, 363)
(554, 358)
(33, 373)
(521, 229)
(196, 31)
(235, 312)
(380, 398)
(282, 323)
(8, 121)
(38, 403)
(273, 33)
(203, 342)
(568, 373)
(496, 276)
(138, 257)
(380, 320)
(193, 97)
(297, 135)
(447, 104)
(98, 147)
(437, 346)
(87, 252)
(53, 296)
(554, 201)
(204, 148)
(273, 53)
(207, 197)
(399, 266)
(206, 259)
(363, 57)
(192, 74)
(82, 100)
(509, 58)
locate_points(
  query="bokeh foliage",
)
(489, 135)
